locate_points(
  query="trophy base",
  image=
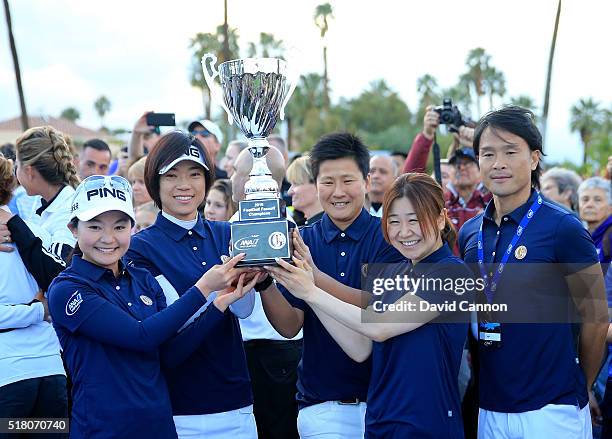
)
(262, 241)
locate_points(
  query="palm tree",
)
(70, 113)
(268, 47)
(203, 43)
(551, 55)
(524, 101)
(102, 106)
(477, 63)
(495, 84)
(307, 95)
(586, 119)
(9, 26)
(322, 15)
(427, 87)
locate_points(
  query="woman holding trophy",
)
(410, 395)
(210, 388)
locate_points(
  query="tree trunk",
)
(289, 133)
(325, 80)
(226, 51)
(9, 26)
(549, 76)
(205, 102)
(585, 137)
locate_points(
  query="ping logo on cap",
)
(193, 151)
(104, 192)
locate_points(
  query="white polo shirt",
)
(54, 220)
(31, 349)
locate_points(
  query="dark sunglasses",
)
(203, 133)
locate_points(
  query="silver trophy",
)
(254, 92)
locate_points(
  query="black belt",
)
(266, 342)
(349, 401)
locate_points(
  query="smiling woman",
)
(104, 309)
(177, 249)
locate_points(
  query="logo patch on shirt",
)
(520, 252)
(74, 303)
(146, 300)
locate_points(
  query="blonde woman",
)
(303, 191)
(44, 167)
(136, 179)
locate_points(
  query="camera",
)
(450, 115)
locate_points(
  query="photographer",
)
(465, 196)
(143, 138)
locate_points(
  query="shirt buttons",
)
(117, 287)
(493, 253)
(190, 233)
(342, 274)
(129, 303)
(505, 218)
(204, 263)
(342, 254)
(343, 234)
(498, 232)
(195, 248)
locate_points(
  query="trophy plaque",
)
(254, 93)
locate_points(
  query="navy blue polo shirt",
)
(111, 331)
(537, 363)
(214, 378)
(414, 388)
(325, 372)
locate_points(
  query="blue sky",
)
(136, 53)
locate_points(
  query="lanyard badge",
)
(489, 333)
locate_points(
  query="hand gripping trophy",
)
(254, 92)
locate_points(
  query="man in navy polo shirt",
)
(332, 388)
(538, 259)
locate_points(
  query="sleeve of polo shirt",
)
(574, 247)
(180, 347)
(43, 265)
(20, 316)
(136, 256)
(82, 311)
(243, 307)
(62, 239)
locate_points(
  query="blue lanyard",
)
(491, 287)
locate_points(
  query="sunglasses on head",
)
(98, 181)
(203, 133)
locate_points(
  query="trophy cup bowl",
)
(254, 93)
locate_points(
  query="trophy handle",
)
(215, 89)
(293, 77)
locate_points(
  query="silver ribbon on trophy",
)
(254, 93)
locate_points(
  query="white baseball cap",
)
(192, 153)
(98, 194)
(210, 126)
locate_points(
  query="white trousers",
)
(557, 421)
(331, 420)
(235, 424)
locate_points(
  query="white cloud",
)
(136, 53)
